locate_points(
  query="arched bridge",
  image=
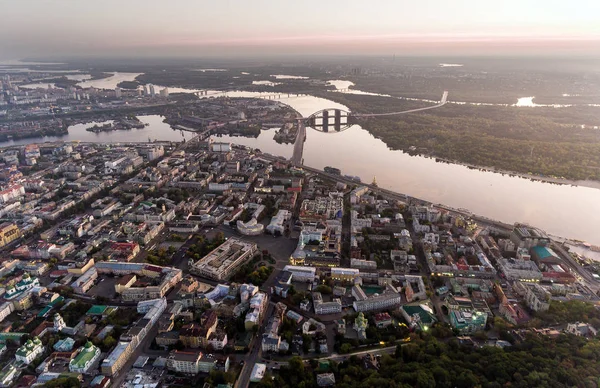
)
(329, 120)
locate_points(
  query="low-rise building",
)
(382, 320)
(9, 232)
(581, 329)
(8, 375)
(87, 356)
(29, 351)
(301, 274)
(389, 299)
(225, 259)
(117, 358)
(363, 264)
(277, 225)
(468, 322)
(196, 362)
(6, 309)
(537, 298)
(322, 308)
(85, 281)
(344, 274)
(258, 372)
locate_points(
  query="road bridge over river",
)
(337, 120)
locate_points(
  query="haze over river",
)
(563, 210)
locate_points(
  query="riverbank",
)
(531, 177)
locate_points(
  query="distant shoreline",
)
(539, 178)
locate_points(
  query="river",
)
(562, 210)
(109, 82)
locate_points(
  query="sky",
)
(44, 28)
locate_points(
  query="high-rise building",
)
(151, 90)
(118, 93)
(145, 90)
(164, 92)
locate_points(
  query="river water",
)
(109, 82)
(562, 210)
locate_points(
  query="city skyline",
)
(199, 28)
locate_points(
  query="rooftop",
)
(96, 310)
(86, 354)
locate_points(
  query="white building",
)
(277, 224)
(29, 351)
(322, 308)
(363, 264)
(357, 193)
(11, 192)
(301, 274)
(344, 274)
(250, 228)
(87, 356)
(258, 372)
(8, 375)
(581, 329)
(85, 281)
(388, 299)
(536, 297)
(220, 263)
(6, 309)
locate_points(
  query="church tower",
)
(59, 323)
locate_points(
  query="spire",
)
(374, 181)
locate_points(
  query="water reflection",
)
(109, 82)
(329, 120)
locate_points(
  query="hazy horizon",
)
(187, 28)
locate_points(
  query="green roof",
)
(425, 316)
(28, 347)
(44, 311)
(11, 336)
(57, 300)
(324, 365)
(86, 354)
(96, 310)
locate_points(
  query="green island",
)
(546, 142)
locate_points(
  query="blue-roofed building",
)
(64, 345)
(544, 254)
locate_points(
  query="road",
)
(338, 357)
(592, 283)
(244, 379)
(138, 351)
(297, 158)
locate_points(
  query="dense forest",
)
(567, 361)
